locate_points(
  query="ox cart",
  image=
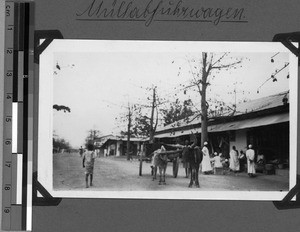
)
(173, 156)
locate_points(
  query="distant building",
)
(263, 122)
(117, 146)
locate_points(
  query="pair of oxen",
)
(191, 154)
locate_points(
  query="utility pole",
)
(152, 115)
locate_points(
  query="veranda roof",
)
(249, 123)
(235, 125)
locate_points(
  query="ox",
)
(160, 161)
(193, 156)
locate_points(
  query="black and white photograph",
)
(167, 119)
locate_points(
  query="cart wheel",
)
(141, 166)
(175, 167)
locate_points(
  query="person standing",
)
(88, 160)
(234, 164)
(81, 151)
(206, 164)
(217, 162)
(242, 160)
(186, 164)
(250, 154)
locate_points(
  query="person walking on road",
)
(234, 163)
(206, 165)
(250, 154)
(88, 160)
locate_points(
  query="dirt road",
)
(114, 173)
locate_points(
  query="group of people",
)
(237, 161)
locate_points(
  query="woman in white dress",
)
(206, 165)
(234, 163)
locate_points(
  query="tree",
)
(92, 135)
(61, 107)
(129, 116)
(138, 124)
(142, 119)
(154, 108)
(203, 71)
(177, 111)
(59, 144)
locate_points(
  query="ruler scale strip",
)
(18, 90)
(15, 54)
(7, 127)
(27, 157)
(21, 88)
(14, 162)
(25, 161)
(29, 73)
(18, 117)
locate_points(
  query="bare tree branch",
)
(227, 65)
(194, 77)
(219, 60)
(195, 116)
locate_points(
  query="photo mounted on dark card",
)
(167, 119)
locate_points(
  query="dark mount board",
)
(265, 22)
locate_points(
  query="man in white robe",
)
(206, 165)
(250, 154)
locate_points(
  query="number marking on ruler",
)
(7, 124)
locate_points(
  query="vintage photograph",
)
(167, 119)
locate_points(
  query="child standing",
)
(88, 160)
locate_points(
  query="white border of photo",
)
(45, 111)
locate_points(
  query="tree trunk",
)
(204, 134)
(128, 134)
(128, 147)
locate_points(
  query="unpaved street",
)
(116, 173)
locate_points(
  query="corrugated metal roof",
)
(249, 123)
(242, 108)
(262, 103)
(135, 139)
(235, 125)
(178, 133)
(117, 138)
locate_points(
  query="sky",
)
(98, 86)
